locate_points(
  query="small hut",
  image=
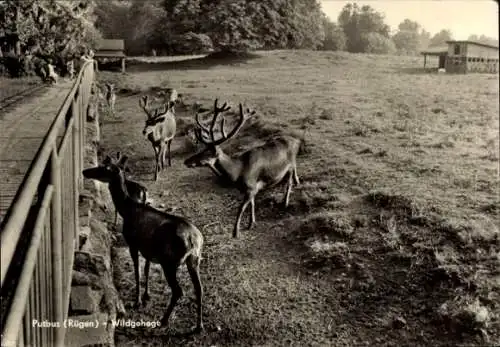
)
(441, 52)
(111, 50)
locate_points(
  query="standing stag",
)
(160, 238)
(160, 130)
(256, 169)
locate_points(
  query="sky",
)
(462, 17)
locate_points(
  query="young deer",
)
(160, 238)
(135, 190)
(111, 97)
(159, 129)
(258, 168)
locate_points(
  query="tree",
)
(335, 39)
(425, 39)
(48, 27)
(44, 29)
(304, 24)
(235, 25)
(377, 43)
(407, 39)
(357, 23)
(440, 38)
(133, 21)
(484, 39)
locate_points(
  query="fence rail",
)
(40, 231)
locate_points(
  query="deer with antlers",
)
(159, 237)
(137, 191)
(252, 171)
(160, 130)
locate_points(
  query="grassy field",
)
(390, 240)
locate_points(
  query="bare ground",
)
(392, 237)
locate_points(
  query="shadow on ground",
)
(207, 62)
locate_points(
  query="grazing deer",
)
(160, 130)
(111, 97)
(135, 190)
(159, 237)
(258, 168)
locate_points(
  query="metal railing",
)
(40, 231)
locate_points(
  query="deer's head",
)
(110, 87)
(154, 117)
(212, 151)
(108, 171)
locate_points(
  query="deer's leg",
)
(171, 275)
(288, 189)
(116, 216)
(169, 155)
(193, 266)
(157, 164)
(295, 176)
(145, 296)
(161, 157)
(252, 216)
(249, 196)
(134, 253)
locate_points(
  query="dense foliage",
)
(31, 30)
(235, 25)
(359, 25)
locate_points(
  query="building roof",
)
(439, 50)
(109, 54)
(111, 45)
(473, 43)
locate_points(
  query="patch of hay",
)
(327, 225)
(464, 315)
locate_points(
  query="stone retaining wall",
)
(94, 298)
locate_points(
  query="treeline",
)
(193, 26)
(63, 29)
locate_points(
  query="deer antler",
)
(202, 130)
(143, 103)
(243, 117)
(217, 111)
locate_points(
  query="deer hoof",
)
(235, 234)
(145, 297)
(137, 304)
(251, 225)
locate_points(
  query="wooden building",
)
(440, 52)
(111, 50)
(465, 56)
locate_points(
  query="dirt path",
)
(22, 131)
